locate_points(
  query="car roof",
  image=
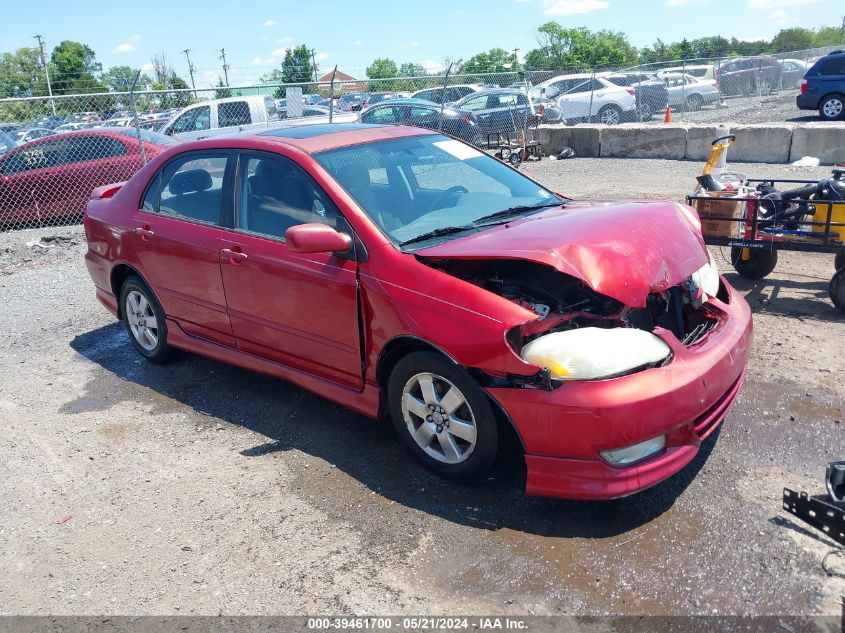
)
(324, 136)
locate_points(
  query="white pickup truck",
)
(220, 116)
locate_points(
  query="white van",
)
(219, 116)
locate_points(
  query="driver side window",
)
(276, 194)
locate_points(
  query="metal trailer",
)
(755, 238)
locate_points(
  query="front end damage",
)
(623, 394)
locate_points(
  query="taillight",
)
(803, 86)
(541, 110)
(631, 91)
(714, 83)
(468, 121)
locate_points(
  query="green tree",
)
(296, 66)
(75, 67)
(172, 82)
(382, 68)
(120, 78)
(21, 74)
(410, 69)
(496, 60)
(221, 91)
(828, 36)
(579, 49)
(792, 40)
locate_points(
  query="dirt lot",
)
(199, 488)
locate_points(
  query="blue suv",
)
(823, 88)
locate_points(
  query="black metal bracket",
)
(825, 517)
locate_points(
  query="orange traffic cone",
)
(667, 118)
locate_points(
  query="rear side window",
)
(40, 156)
(195, 119)
(233, 113)
(272, 110)
(85, 148)
(191, 188)
(386, 114)
(833, 66)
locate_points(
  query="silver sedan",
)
(689, 93)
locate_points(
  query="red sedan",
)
(52, 177)
(403, 273)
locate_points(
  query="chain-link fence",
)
(55, 150)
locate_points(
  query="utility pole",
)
(191, 71)
(46, 72)
(842, 32)
(225, 65)
(314, 63)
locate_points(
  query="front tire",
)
(832, 107)
(694, 103)
(443, 417)
(760, 263)
(144, 320)
(839, 261)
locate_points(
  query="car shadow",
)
(805, 299)
(290, 418)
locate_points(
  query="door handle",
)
(144, 232)
(234, 256)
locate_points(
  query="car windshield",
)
(432, 185)
(148, 136)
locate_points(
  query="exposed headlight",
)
(636, 453)
(589, 353)
(707, 278)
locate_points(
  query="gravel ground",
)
(199, 488)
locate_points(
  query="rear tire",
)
(839, 261)
(760, 264)
(837, 290)
(832, 107)
(442, 416)
(144, 320)
(694, 103)
(610, 115)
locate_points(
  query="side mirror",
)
(316, 238)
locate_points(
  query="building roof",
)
(339, 76)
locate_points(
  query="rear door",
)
(177, 236)
(297, 309)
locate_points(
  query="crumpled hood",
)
(623, 250)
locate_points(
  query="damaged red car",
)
(405, 274)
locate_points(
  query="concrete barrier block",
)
(825, 141)
(584, 139)
(635, 140)
(699, 138)
(765, 143)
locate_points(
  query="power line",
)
(225, 65)
(191, 71)
(46, 72)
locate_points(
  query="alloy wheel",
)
(439, 418)
(142, 320)
(832, 108)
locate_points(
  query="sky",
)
(352, 33)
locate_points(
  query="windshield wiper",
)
(518, 210)
(445, 230)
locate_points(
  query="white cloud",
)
(414, 44)
(279, 52)
(270, 23)
(133, 38)
(776, 4)
(570, 7)
(266, 61)
(432, 66)
(321, 56)
(148, 67)
(282, 40)
(358, 43)
(122, 49)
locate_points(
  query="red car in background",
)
(53, 177)
(405, 274)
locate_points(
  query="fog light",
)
(636, 453)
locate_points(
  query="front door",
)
(297, 309)
(178, 234)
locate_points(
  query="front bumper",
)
(563, 431)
